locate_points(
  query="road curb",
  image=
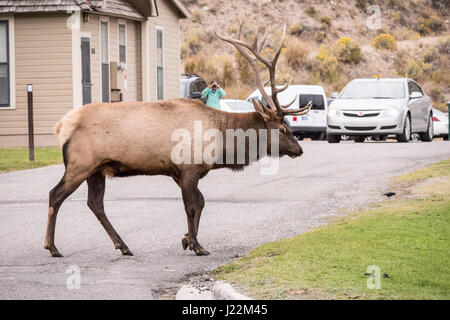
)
(224, 291)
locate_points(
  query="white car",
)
(378, 108)
(237, 106)
(312, 125)
(440, 122)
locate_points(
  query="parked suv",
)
(378, 108)
(311, 125)
(191, 86)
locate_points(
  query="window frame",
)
(124, 24)
(101, 21)
(8, 105)
(159, 29)
(413, 83)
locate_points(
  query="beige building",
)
(74, 52)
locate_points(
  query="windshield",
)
(241, 106)
(375, 89)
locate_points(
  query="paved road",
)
(243, 210)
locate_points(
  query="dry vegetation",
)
(328, 42)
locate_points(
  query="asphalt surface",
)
(243, 210)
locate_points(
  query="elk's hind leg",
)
(96, 192)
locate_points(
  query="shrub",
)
(433, 24)
(320, 37)
(197, 16)
(326, 66)
(349, 51)
(436, 95)
(228, 74)
(384, 41)
(444, 46)
(245, 72)
(406, 34)
(297, 29)
(311, 11)
(363, 4)
(416, 68)
(325, 21)
(192, 44)
(296, 53)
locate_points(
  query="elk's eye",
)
(282, 130)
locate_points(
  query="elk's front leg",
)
(193, 203)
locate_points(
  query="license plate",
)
(304, 117)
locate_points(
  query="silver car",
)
(378, 108)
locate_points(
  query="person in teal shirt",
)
(213, 93)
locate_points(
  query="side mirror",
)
(196, 95)
(415, 95)
(334, 95)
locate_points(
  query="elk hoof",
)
(185, 243)
(127, 253)
(56, 255)
(201, 252)
(53, 251)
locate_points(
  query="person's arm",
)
(222, 93)
(206, 92)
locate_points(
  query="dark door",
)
(86, 70)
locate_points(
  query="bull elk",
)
(127, 139)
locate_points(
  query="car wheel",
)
(332, 138)
(405, 136)
(427, 136)
(360, 139)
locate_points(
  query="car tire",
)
(427, 136)
(332, 138)
(405, 136)
(360, 139)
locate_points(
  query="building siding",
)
(168, 20)
(50, 72)
(133, 42)
(43, 57)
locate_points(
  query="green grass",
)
(17, 158)
(440, 169)
(408, 239)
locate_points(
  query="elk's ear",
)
(263, 111)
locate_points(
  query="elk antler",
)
(252, 53)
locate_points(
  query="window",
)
(413, 87)
(317, 101)
(122, 44)
(4, 65)
(105, 61)
(160, 64)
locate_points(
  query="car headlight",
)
(333, 111)
(392, 111)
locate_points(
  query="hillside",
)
(328, 42)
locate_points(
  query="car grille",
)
(366, 115)
(360, 128)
